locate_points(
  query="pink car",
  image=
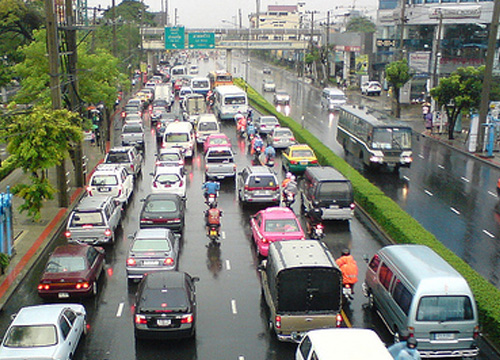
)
(216, 140)
(274, 224)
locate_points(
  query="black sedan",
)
(165, 306)
(163, 210)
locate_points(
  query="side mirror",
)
(152, 174)
(366, 258)
(195, 279)
(262, 266)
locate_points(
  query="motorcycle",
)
(347, 292)
(211, 200)
(288, 198)
(242, 130)
(213, 233)
(266, 161)
(317, 231)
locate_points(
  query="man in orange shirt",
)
(349, 269)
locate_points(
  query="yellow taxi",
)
(297, 157)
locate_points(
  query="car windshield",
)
(337, 97)
(281, 225)
(268, 120)
(132, 128)
(302, 153)
(147, 245)
(160, 206)
(169, 157)
(177, 137)
(30, 336)
(161, 299)
(444, 308)
(65, 264)
(200, 84)
(117, 158)
(207, 126)
(87, 219)
(218, 141)
(283, 133)
(104, 180)
(167, 178)
(262, 181)
(234, 100)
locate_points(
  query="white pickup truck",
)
(219, 163)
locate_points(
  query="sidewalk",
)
(30, 238)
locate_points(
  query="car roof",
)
(43, 314)
(92, 203)
(107, 168)
(165, 279)
(278, 212)
(169, 170)
(163, 196)
(152, 233)
(260, 170)
(120, 149)
(71, 250)
(299, 146)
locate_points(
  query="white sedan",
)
(50, 331)
(169, 179)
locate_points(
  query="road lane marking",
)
(228, 265)
(233, 307)
(465, 179)
(488, 233)
(455, 210)
(223, 235)
(421, 156)
(428, 193)
(120, 310)
(346, 319)
(241, 357)
(492, 194)
(406, 178)
(441, 167)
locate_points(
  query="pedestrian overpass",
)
(153, 40)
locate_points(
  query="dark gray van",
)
(302, 286)
(412, 288)
(328, 189)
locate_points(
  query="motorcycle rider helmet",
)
(288, 175)
(411, 342)
(346, 252)
(293, 178)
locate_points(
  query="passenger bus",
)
(375, 138)
(218, 78)
(229, 101)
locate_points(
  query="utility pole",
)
(402, 29)
(239, 14)
(485, 93)
(327, 45)
(175, 17)
(437, 49)
(73, 86)
(166, 12)
(257, 13)
(55, 90)
(113, 19)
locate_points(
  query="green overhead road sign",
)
(174, 38)
(201, 40)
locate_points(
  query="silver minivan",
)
(413, 288)
(332, 98)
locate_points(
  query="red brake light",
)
(131, 262)
(140, 319)
(84, 285)
(43, 287)
(277, 321)
(476, 332)
(353, 205)
(339, 320)
(67, 233)
(168, 262)
(107, 232)
(187, 319)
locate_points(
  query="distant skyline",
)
(209, 14)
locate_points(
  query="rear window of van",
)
(444, 308)
(334, 189)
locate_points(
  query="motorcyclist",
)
(210, 187)
(250, 130)
(286, 180)
(290, 187)
(349, 269)
(314, 217)
(257, 144)
(212, 218)
(405, 349)
(269, 152)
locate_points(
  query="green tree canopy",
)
(459, 91)
(360, 24)
(398, 73)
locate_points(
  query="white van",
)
(229, 100)
(413, 288)
(179, 134)
(177, 72)
(200, 85)
(206, 125)
(335, 344)
(332, 98)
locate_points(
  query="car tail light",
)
(124, 114)
(67, 234)
(168, 262)
(140, 319)
(292, 138)
(339, 320)
(155, 185)
(476, 332)
(187, 319)
(108, 232)
(132, 167)
(181, 183)
(265, 241)
(44, 287)
(158, 126)
(276, 139)
(120, 190)
(181, 162)
(84, 285)
(277, 321)
(353, 205)
(89, 190)
(321, 227)
(293, 161)
(314, 161)
(131, 262)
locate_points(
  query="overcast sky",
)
(209, 14)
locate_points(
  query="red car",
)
(72, 271)
(216, 140)
(274, 224)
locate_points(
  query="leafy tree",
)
(37, 141)
(397, 74)
(131, 11)
(360, 24)
(459, 91)
(5, 74)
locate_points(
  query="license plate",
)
(63, 295)
(444, 336)
(150, 263)
(163, 322)
(213, 232)
(334, 206)
(104, 189)
(304, 162)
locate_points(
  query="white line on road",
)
(455, 210)
(421, 156)
(120, 310)
(241, 357)
(228, 265)
(406, 178)
(428, 193)
(489, 234)
(492, 194)
(233, 307)
(465, 179)
(441, 167)
(223, 234)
